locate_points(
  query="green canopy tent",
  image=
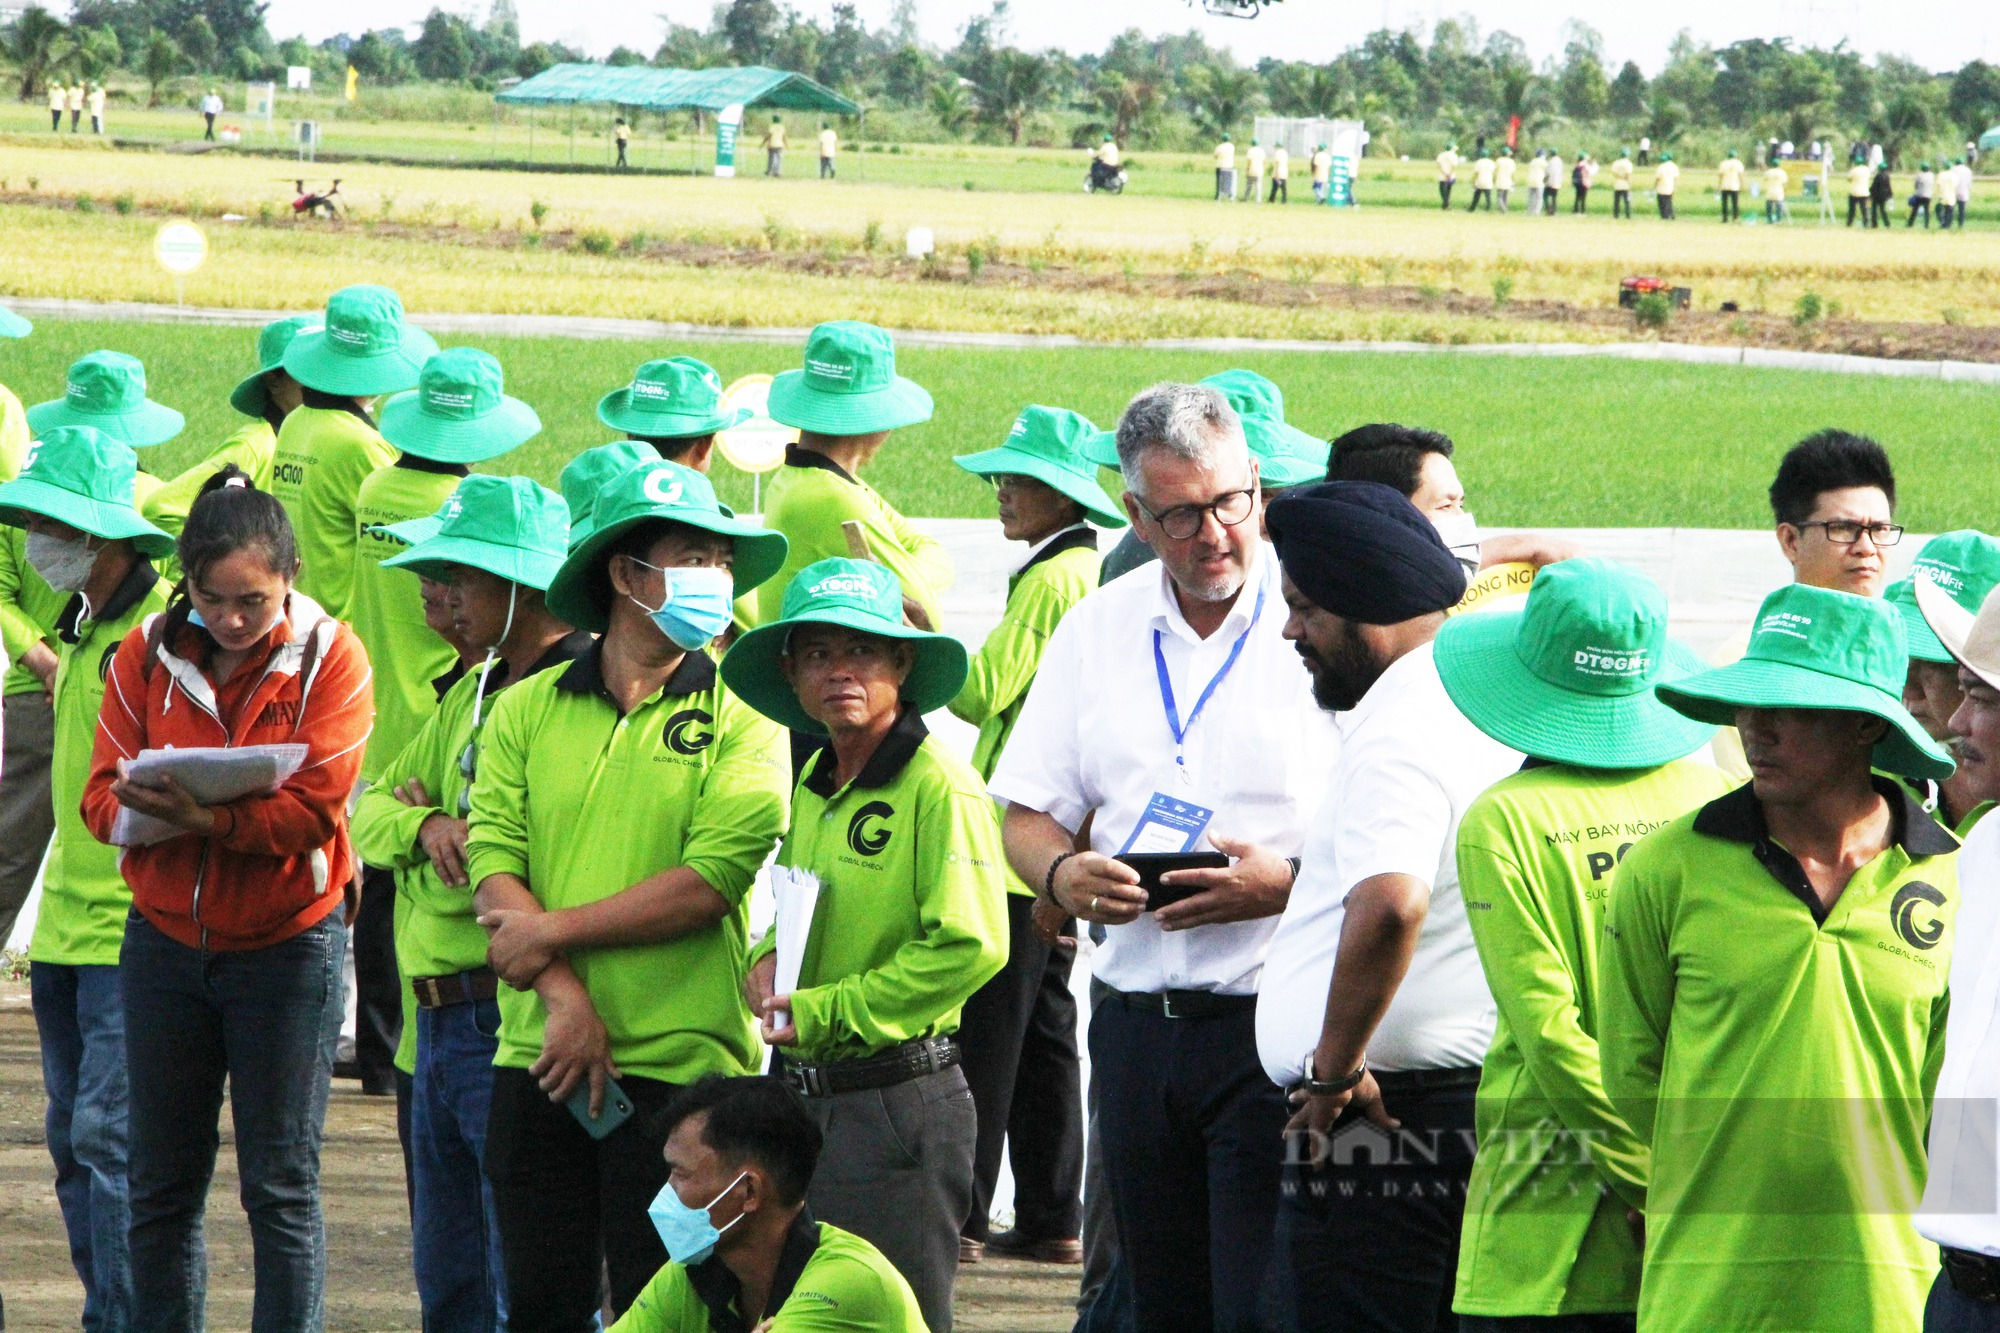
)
(646, 88)
(1990, 141)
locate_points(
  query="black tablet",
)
(1152, 865)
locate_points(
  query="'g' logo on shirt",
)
(684, 734)
(1903, 915)
(860, 837)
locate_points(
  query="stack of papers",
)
(796, 894)
(212, 774)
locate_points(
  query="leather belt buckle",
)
(426, 990)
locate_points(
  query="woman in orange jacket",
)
(232, 955)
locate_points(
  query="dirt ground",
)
(368, 1235)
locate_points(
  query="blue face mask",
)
(687, 1232)
(194, 618)
(697, 605)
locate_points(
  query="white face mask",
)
(1460, 533)
(64, 564)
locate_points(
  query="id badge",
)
(1168, 825)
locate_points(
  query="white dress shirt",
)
(1093, 737)
(1410, 764)
(1959, 1208)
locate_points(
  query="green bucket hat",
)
(1569, 676)
(580, 594)
(860, 595)
(1286, 455)
(510, 527)
(83, 477)
(363, 346)
(249, 397)
(669, 399)
(1965, 565)
(458, 412)
(1046, 444)
(12, 325)
(413, 530)
(849, 385)
(107, 391)
(1817, 648)
(589, 473)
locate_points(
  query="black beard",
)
(1347, 671)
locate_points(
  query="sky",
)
(1943, 34)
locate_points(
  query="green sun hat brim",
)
(411, 530)
(796, 403)
(13, 325)
(1493, 687)
(751, 667)
(1714, 696)
(577, 595)
(1101, 448)
(1286, 455)
(507, 427)
(250, 395)
(1923, 641)
(148, 424)
(111, 522)
(311, 361)
(1081, 487)
(615, 410)
(433, 558)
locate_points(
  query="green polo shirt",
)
(827, 1281)
(252, 447)
(84, 898)
(810, 497)
(583, 802)
(912, 913)
(1545, 1231)
(1039, 595)
(321, 458)
(28, 606)
(386, 606)
(1780, 1061)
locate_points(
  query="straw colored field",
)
(1567, 442)
(1896, 275)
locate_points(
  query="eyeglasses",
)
(1184, 521)
(1847, 531)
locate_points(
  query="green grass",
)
(1557, 442)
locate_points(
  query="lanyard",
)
(1167, 685)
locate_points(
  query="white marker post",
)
(180, 247)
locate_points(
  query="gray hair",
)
(1191, 421)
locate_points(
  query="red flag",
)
(1513, 131)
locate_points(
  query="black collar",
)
(798, 457)
(417, 463)
(1739, 817)
(883, 767)
(442, 684)
(138, 581)
(1084, 537)
(695, 674)
(720, 1289)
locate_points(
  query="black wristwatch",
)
(1331, 1087)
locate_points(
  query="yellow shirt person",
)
(1107, 152)
(829, 142)
(1774, 183)
(1253, 161)
(1857, 180)
(1281, 164)
(1621, 173)
(1447, 162)
(1729, 176)
(1665, 177)
(1225, 156)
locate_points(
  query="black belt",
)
(911, 1060)
(1185, 1003)
(1973, 1276)
(1426, 1080)
(457, 988)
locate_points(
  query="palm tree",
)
(950, 105)
(161, 61)
(32, 45)
(89, 53)
(1125, 102)
(1220, 97)
(1016, 89)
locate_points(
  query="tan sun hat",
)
(1972, 640)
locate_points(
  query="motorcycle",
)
(1109, 179)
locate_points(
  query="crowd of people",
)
(1464, 951)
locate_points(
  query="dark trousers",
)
(1732, 205)
(378, 986)
(1477, 195)
(55, 121)
(1551, 200)
(80, 1018)
(1923, 206)
(1279, 190)
(1444, 193)
(454, 1235)
(1621, 203)
(264, 1021)
(1369, 1236)
(1193, 1143)
(1667, 207)
(1774, 210)
(570, 1206)
(825, 167)
(1878, 213)
(26, 811)
(1951, 1311)
(1018, 1032)
(1857, 206)
(209, 116)
(1582, 200)
(1548, 1323)
(621, 154)
(1944, 209)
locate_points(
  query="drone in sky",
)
(1232, 9)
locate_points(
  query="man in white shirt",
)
(1961, 1210)
(1169, 714)
(1373, 1011)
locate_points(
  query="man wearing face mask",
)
(497, 550)
(622, 806)
(1964, 566)
(88, 542)
(746, 1251)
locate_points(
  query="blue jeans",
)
(455, 1237)
(81, 1019)
(1947, 1311)
(266, 1020)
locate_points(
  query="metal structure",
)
(1233, 9)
